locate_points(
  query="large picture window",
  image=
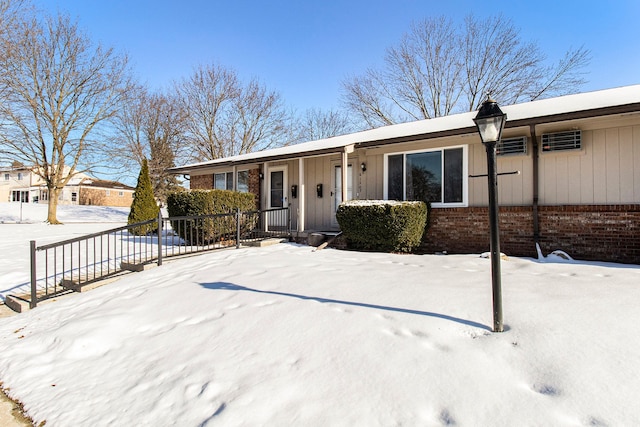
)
(435, 176)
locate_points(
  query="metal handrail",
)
(72, 263)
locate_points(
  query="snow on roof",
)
(528, 110)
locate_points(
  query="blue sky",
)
(305, 50)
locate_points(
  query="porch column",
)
(235, 178)
(264, 203)
(301, 198)
(345, 169)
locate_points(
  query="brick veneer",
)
(205, 182)
(201, 182)
(588, 232)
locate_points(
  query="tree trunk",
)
(52, 210)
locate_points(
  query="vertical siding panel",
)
(517, 183)
(375, 185)
(526, 174)
(599, 167)
(626, 165)
(586, 170)
(312, 201)
(550, 196)
(562, 178)
(612, 147)
(511, 187)
(574, 172)
(478, 194)
(505, 182)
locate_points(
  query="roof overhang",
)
(566, 108)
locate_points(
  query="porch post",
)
(345, 169)
(301, 201)
(264, 203)
(235, 178)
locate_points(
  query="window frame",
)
(226, 180)
(237, 182)
(465, 174)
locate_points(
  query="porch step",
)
(266, 242)
(16, 304)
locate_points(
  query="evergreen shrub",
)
(383, 225)
(211, 205)
(143, 206)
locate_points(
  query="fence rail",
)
(73, 263)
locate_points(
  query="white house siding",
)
(605, 171)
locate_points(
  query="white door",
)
(336, 194)
(278, 195)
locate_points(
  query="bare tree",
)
(208, 95)
(318, 124)
(227, 118)
(150, 126)
(439, 68)
(59, 89)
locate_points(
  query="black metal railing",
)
(70, 264)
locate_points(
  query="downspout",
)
(536, 163)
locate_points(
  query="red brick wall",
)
(201, 182)
(254, 185)
(601, 232)
(205, 182)
(99, 197)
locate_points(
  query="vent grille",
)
(571, 140)
(511, 146)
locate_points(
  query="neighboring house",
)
(578, 187)
(21, 184)
(99, 192)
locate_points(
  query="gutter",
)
(530, 122)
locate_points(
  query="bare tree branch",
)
(438, 69)
(59, 89)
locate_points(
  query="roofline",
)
(537, 120)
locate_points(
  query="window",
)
(121, 193)
(243, 181)
(223, 181)
(19, 176)
(107, 192)
(436, 176)
(74, 197)
(512, 146)
(561, 141)
(6, 177)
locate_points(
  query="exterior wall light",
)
(490, 121)
(363, 167)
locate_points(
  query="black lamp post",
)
(490, 122)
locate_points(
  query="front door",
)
(336, 194)
(277, 195)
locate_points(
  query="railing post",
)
(237, 228)
(159, 238)
(34, 295)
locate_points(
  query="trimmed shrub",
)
(382, 225)
(211, 205)
(144, 206)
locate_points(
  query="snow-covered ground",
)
(287, 336)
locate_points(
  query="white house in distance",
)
(21, 184)
(578, 187)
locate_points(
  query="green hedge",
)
(384, 225)
(210, 203)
